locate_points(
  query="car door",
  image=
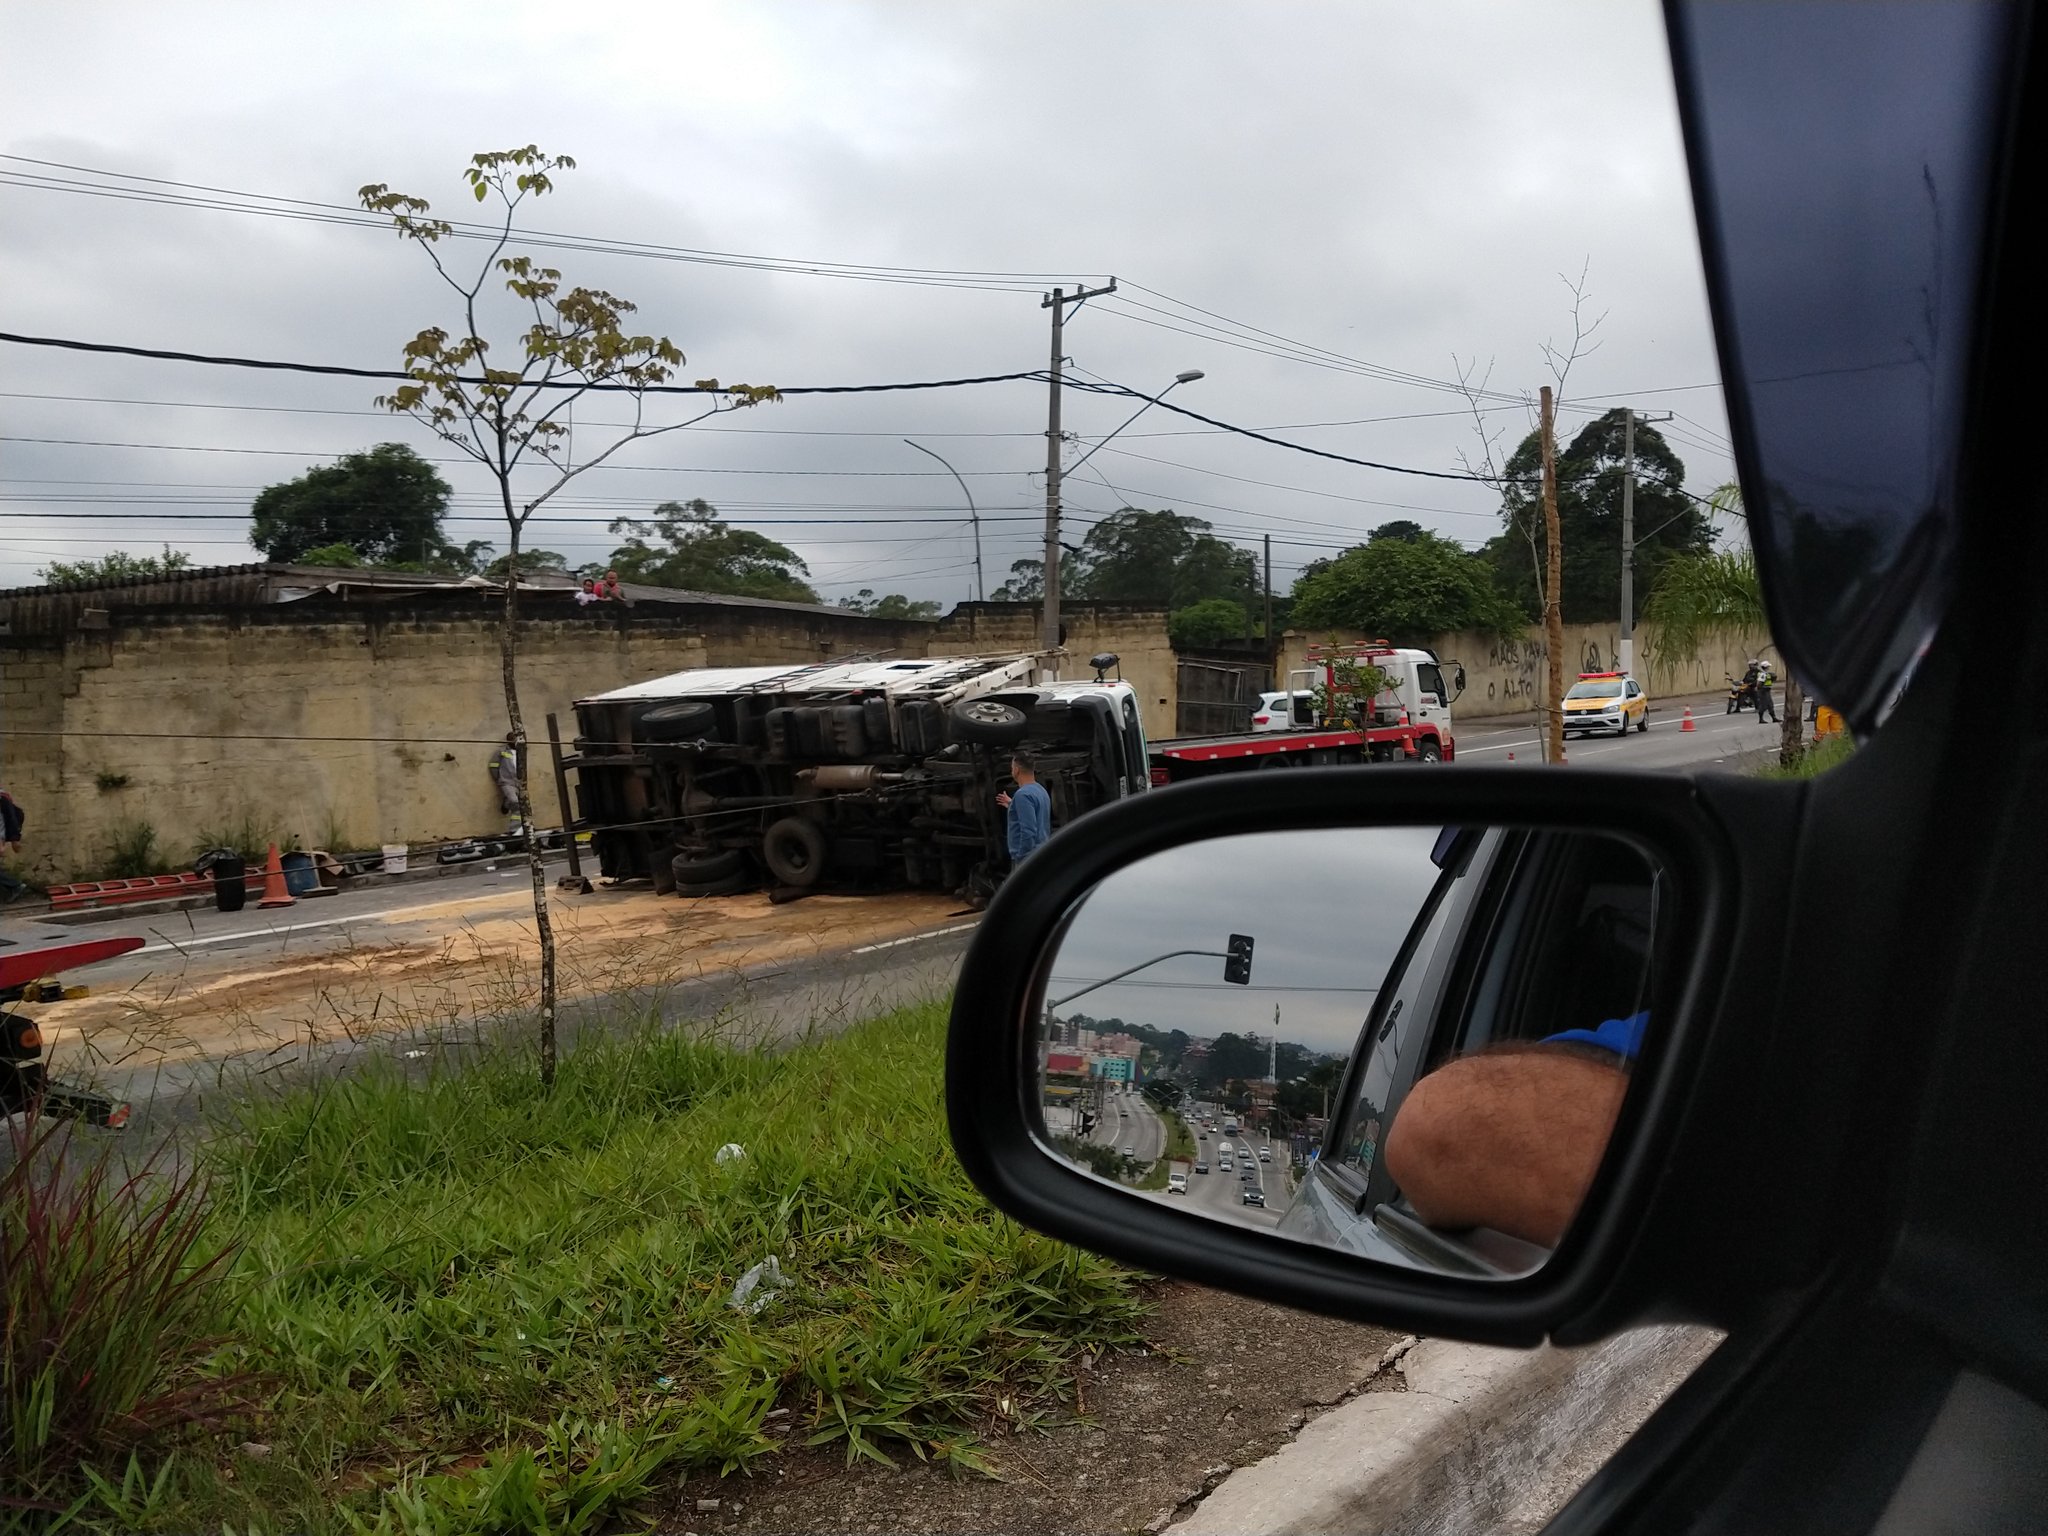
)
(1431, 704)
(1525, 936)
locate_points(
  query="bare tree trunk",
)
(1553, 607)
(508, 655)
(1792, 733)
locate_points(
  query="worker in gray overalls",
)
(505, 774)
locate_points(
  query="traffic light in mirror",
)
(1237, 961)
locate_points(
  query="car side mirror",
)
(1417, 1037)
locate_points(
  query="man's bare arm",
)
(1507, 1139)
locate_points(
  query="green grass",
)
(479, 1307)
(1813, 761)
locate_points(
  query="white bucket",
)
(394, 858)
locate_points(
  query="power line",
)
(227, 200)
(336, 370)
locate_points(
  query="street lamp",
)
(1050, 636)
(980, 588)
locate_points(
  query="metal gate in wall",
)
(1216, 696)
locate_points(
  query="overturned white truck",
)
(846, 774)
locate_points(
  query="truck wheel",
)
(727, 885)
(989, 723)
(677, 722)
(703, 868)
(794, 850)
(1430, 751)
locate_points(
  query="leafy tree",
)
(1213, 568)
(1163, 1093)
(507, 415)
(1590, 472)
(385, 504)
(1136, 555)
(894, 606)
(529, 561)
(1717, 594)
(690, 547)
(1405, 589)
(1026, 583)
(344, 556)
(1209, 622)
(1399, 528)
(96, 570)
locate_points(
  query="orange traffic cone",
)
(274, 892)
(1686, 724)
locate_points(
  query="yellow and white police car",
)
(1606, 701)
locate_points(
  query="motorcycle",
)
(1741, 694)
(26, 976)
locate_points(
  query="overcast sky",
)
(1396, 185)
(1318, 957)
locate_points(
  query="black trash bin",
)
(230, 882)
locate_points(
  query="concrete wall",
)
(374, 724)
(1504, 677)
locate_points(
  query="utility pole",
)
(1553, 580)
(1057, 302)
(1272, 647)
(1627, 657)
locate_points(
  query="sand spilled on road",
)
(430, 966)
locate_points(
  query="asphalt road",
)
(1128, 1121)
(1719, 740)
(1220, 1196)
(316, 924)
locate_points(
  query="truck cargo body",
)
(860, 774)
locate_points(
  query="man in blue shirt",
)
(1030, 808)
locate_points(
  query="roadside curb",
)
(1483, 1439)
(115, 914)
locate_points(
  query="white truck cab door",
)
(1428, 696)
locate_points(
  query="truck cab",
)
(1417, 688)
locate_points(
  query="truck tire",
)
(1429, 750)
(794, 849)
(989, 724)
(850, 730)
(677, 722)
(728, 885)
(704, 868)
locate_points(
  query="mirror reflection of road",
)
(1218, 1194)
(1128, 1121)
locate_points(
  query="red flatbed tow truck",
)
(27, 975)
(1407, 721)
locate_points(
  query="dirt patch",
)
(1225, 1382)
(437, 964)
